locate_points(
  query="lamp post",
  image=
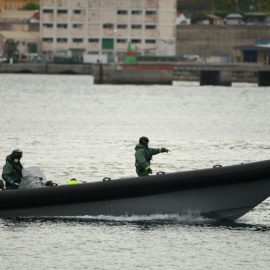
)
(4, 46)
(114, 49)
(236, 6)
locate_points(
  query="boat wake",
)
(189, 218)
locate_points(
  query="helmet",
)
(73, 181)
(143, 139)
(17, 153)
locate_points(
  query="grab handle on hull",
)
(106, 179)
(159, 173)
(217, 166)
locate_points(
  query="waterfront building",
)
(99, 27)
(181, 19)
(255, 53)
(27, 43)
(19, 20)
(206, 19)
(19, 27)
(234, 19)
(14, 4)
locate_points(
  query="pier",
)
(46, 68)
(153, 73)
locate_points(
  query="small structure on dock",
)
(131, 57)
(131, 72)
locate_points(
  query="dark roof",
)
(263, 41)
(36, 16)
(252, 48)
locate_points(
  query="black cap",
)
(17, 153)
(143, 139)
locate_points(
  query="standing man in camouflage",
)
(143, 156)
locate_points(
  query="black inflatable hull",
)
(224, 192)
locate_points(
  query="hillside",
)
(223, 7)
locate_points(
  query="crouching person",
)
(12, 170)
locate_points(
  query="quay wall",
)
(45, 68)
(181, 71)
(239, 72)
(216, 40)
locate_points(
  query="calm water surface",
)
(71, 128)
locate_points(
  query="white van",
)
(34, 57)
(2, 58)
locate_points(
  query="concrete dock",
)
(154, 73)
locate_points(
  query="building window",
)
(150, 27)
(136, 26)
(61, 40)
(122, 26)
(121, 41)
(77, 40)
(78, 26)
(136, 12)
(93, 52)
(48, 11)
(77, 11)
(62, 11)
(48, 25)
(122, 12)
(62, 25)
(108, 26)
(136, 41)
(107, 44)
(151, 12)
(148, 41)
(93, 40)
(49, 40)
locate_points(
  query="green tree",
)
(263, 5)
(223, 6)
(10, 48)
(31, 5)
(200, 6)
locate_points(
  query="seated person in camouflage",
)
(143, 156)
(12, 171)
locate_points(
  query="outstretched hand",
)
(167, 150)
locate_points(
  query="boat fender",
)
(106, 179)
(217, 166)
(159, 173)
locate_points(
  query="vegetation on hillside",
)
(31, 5)
(223, 6)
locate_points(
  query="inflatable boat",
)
(224, 192)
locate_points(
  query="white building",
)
(181, 19)
(234, 19)
(107, 26)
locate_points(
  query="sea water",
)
(70, 127)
